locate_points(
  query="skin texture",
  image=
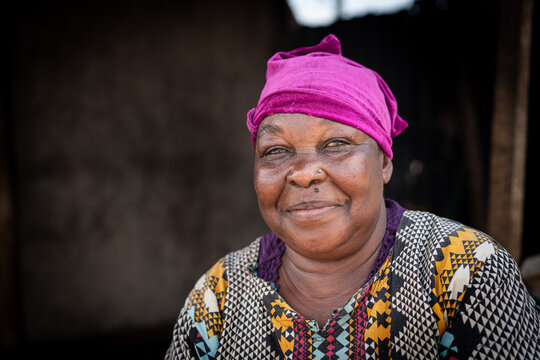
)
(332, 234)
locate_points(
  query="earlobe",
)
(387, 169)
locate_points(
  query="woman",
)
(346, 274)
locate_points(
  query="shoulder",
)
(444, 257)
(242, 259)
(199, 327)
(437, 237)
(445, 248)
(209, 291)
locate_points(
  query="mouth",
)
(312, 210)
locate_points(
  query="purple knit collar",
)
(272, 248)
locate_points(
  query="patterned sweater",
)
(445, 291)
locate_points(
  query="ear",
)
(387, 168)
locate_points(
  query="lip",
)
(312, 210)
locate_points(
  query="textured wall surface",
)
(133, 159)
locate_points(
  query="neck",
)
(315, 287)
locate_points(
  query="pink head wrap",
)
(319, 81)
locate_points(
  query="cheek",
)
(359, 177)
(351, 172)
(267, 185)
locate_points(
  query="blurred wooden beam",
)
(509, 125)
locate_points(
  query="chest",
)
(377, 322)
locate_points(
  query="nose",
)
(306, 171)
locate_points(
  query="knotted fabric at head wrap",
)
(319, 81)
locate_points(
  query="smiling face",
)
(320, 184)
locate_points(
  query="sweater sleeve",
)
(182, 345)
(497, 318)
(197, 332)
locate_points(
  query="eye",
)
(274, 152)
(335, 144)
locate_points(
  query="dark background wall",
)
(130, 163)
(131, 160)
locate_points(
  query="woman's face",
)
(319, 184)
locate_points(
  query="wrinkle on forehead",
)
(271, 128)
(325, 122)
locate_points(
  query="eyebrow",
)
(270, 129)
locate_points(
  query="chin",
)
(316, 242)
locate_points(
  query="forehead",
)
(286, 123)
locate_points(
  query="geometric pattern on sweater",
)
(205, 305)
(445, 291)
(343, 337)
(377, 318)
